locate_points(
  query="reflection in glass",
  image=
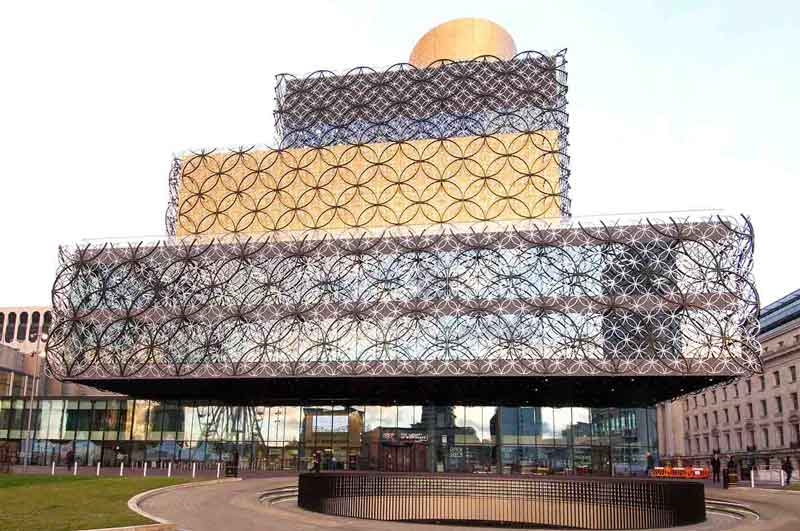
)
(430, 438)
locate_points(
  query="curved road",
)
(234, 506)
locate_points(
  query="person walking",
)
(788, 469)
(715, 466)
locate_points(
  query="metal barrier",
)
(679, 472)
(578, 502)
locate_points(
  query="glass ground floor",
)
(536, 439)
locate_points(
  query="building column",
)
(498, 448)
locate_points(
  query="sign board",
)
(328, 424)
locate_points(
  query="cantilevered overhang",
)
(554, 391)
(613, 311)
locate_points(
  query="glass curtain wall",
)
(481, 439)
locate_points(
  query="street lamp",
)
(39, 355)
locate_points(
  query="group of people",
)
(716, 466)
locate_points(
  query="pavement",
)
(236, 506)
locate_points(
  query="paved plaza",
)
(238, 506)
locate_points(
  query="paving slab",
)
(236, 507)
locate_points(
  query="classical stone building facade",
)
(754, 419)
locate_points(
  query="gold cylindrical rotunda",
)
(463, 39)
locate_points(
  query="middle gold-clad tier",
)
(461, 179)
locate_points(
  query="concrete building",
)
(754, 419)
(22, 327)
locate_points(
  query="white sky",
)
(673, 106)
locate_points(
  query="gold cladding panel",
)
(460, 179)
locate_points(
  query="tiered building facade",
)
(398, 284)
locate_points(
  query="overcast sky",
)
(673, 106)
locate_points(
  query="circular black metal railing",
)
(589, 503)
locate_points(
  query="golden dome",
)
(461, 39)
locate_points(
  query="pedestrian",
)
(715, 466)
(650, 463)
(788, 468)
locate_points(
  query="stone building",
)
(754, 419)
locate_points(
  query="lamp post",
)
(39, 355)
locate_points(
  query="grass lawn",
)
(56, 503)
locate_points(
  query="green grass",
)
(67, 503)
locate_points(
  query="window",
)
(781, 442)
(10, 327)
(687, 423)
(765, 432)
(705, 420)
(22, 328)
(696, 423)
(706, 445)
(762, 380)
(728, 442)
(33, 335)
(794, 402)
(2, 321)
(736, 390)
(5, 386)
(749, 386)
(724, 394)
(716, 418)
(738, 414)
(714, 397)
(777, 376)
(686, 405)
(697, 443)
(727, 417)
(750, 410)
(46, 325)
(739, 440)
(792, 371)
(705, 400)
(695, 401)
(763, 408)
(779, 404)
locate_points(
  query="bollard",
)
(752, 478)
(98, 469)
(121, 468)
(169, 470)
(783, 479)
(144, 473)
(194, 469)
(75, 469)
(725, 478)
(53, 468)
(218, 465)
